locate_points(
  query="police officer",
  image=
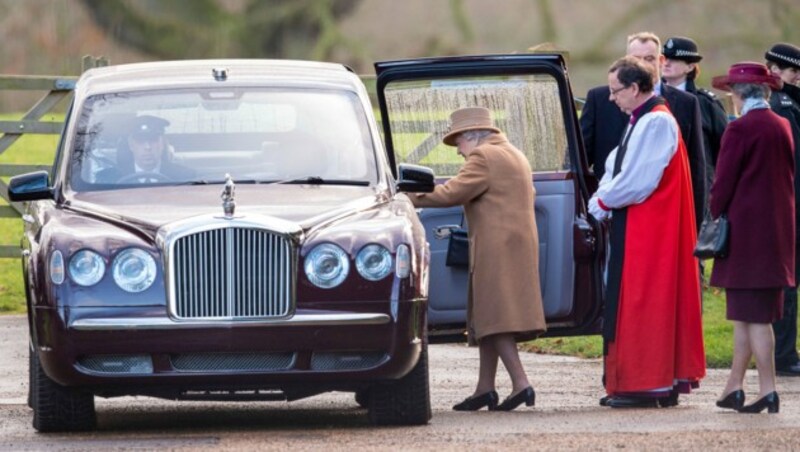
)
(784, 61)
(680, 70)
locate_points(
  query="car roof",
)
(201, 73)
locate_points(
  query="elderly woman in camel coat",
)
(505, 302)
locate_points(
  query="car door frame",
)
(589, 236)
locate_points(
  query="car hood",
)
(152, 207)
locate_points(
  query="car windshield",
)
(180, 137)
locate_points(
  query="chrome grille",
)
(232, 273)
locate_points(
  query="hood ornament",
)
(228, 193)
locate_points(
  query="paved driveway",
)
(566, 416)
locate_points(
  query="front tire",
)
(57, 408)
(406, 401)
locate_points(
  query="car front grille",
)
(228, 362)
(232, 273)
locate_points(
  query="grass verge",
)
(717, 336)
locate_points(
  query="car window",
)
(527, 108)
(253, 135)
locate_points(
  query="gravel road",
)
(566, 416)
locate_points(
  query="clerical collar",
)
(638, 110)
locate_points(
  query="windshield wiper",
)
(310, 180)
(316, 180)
(218, 182)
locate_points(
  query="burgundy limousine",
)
(237, 230)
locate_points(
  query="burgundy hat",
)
(746, 72)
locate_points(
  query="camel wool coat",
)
(497, 193)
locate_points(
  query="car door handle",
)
(442, 232)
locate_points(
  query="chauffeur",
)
(143, 156)
(784, 61)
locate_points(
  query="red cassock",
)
(659, 337)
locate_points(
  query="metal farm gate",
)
(58, 89)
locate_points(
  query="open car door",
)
(531, 101)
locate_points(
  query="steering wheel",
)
(144, 177)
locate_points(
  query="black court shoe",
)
(527, 395)
(770, 401)
(734, 400)
(474, 403)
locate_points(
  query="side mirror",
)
(415, 178)
(30, 187)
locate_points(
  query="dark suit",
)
(786, 103)
(602, 125)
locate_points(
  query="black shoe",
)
(770, 401)
(527, 395)
(789, 371)
(632, 402)
(670, 400)
(734, 400)
(474, 403)
(604, 400)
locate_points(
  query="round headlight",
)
(86, 268)
(374, 262)
(327, 265)
(134, 270)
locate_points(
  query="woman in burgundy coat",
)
(754, 185)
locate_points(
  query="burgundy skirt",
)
(754, 305)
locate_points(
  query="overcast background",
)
(49, 37)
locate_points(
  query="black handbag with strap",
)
(712, 240)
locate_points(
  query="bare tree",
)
(177, 29)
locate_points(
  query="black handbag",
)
(458, 249)
(712, 240)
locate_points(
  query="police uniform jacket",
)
(786, 103)
(714, 119)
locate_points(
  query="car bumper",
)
(136, 351)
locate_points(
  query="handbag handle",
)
(443, 232)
